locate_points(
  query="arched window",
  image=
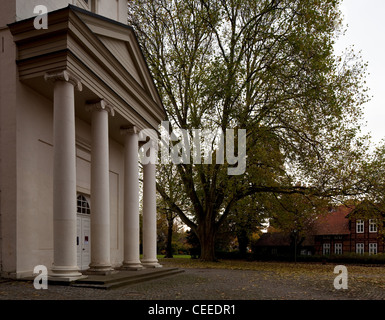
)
(82, 205)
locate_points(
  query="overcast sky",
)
(365, 30)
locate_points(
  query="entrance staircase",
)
(124, 278)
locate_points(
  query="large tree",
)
(266, 66)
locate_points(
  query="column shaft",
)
(64, 179)
(100, 191)
(131, 201)
(149, 216)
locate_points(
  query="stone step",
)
(124, 278)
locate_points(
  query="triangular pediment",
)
(121, 41)
(121, 50)
(103, 53)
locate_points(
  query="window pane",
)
(338, 248)
(360, 226)
(83, 205)
(372, 248)
(326, 248)
(372, 225)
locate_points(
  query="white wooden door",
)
(78, 237)
(83, 241)
(86, 238)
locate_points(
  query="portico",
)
(93, 73)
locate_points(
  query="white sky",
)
(366, 31)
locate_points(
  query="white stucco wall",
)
(34, 181)
(24, 8)
(113, 9)
(8, 145)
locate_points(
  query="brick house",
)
(335, 233)
(282, 244)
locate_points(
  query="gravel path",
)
(204, 284)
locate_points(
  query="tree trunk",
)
(170, 224)
(206, 236)
(243, 241)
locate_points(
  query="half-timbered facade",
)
(337, 233)
(333, 233)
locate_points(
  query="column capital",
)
(100, 105)
(129, 130)
(64, 75)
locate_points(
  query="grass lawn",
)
(176, 256)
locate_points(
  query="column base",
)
(100, 270)
(151, 264)
(133, 266)
(64, 274)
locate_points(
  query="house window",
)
(326, 249)
(359, 248)
(360, 226)
(83, 205)
(338, 248)
(372, 248)
(372, 226)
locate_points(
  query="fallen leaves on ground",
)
(359, 276)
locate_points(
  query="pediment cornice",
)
(73, 42)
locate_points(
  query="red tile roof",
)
(275, 239)
(333, 223)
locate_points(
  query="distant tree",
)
(166, 227)
(193, 241)
(245, 219)
(166, 178)
(295, 215)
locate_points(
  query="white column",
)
(64, 176)
(149, 215)
(100, 189)
(131, 200)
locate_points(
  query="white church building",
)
(73, 99)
